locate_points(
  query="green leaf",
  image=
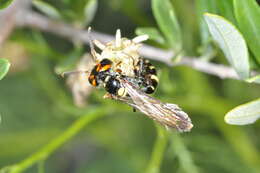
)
(231, 42)
(4, 67)
(90, 10)
(255, 79)
(47, 9)
(244, 114)
(247, 13)
(225, 8)
(5, 3)
(131, 8)
(168, 23)
(153, 34)
(203, 6)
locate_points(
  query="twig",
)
(35, 20)
(219, 70)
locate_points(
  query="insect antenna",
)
(91, 45)
(67, 73)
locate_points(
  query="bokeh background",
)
(36, 105)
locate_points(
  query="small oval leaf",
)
(153, 34)
(90, 11)
(244, 114)
(47, 9)
(5, 3)
(248, 17)
(4, 67)
(231, 42)
(165, 17)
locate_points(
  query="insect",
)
(119, 58)
(167, 114)
(129, 78)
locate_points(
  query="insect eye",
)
(105, 62)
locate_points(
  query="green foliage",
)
(186, 161)
(153, 34)
(79, 12)
(244, 114)
(234, 47)
(5, 3)
(158, 152)
(43, 153)
(42, 129)
(247, 15)
(226, 9)
(90, 10)
(47, 9)
(231, 42)
(167, 22)
(4, 67)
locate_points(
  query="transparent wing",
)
(167, 114)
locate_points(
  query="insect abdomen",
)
(150, 76)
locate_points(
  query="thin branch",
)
(35, 20)
(219, 70)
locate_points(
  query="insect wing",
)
(167, 114)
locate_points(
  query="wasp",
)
(130, 78)
(120, 58)
(145, 77)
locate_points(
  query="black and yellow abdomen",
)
(147, 76)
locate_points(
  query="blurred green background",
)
(36, 106)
